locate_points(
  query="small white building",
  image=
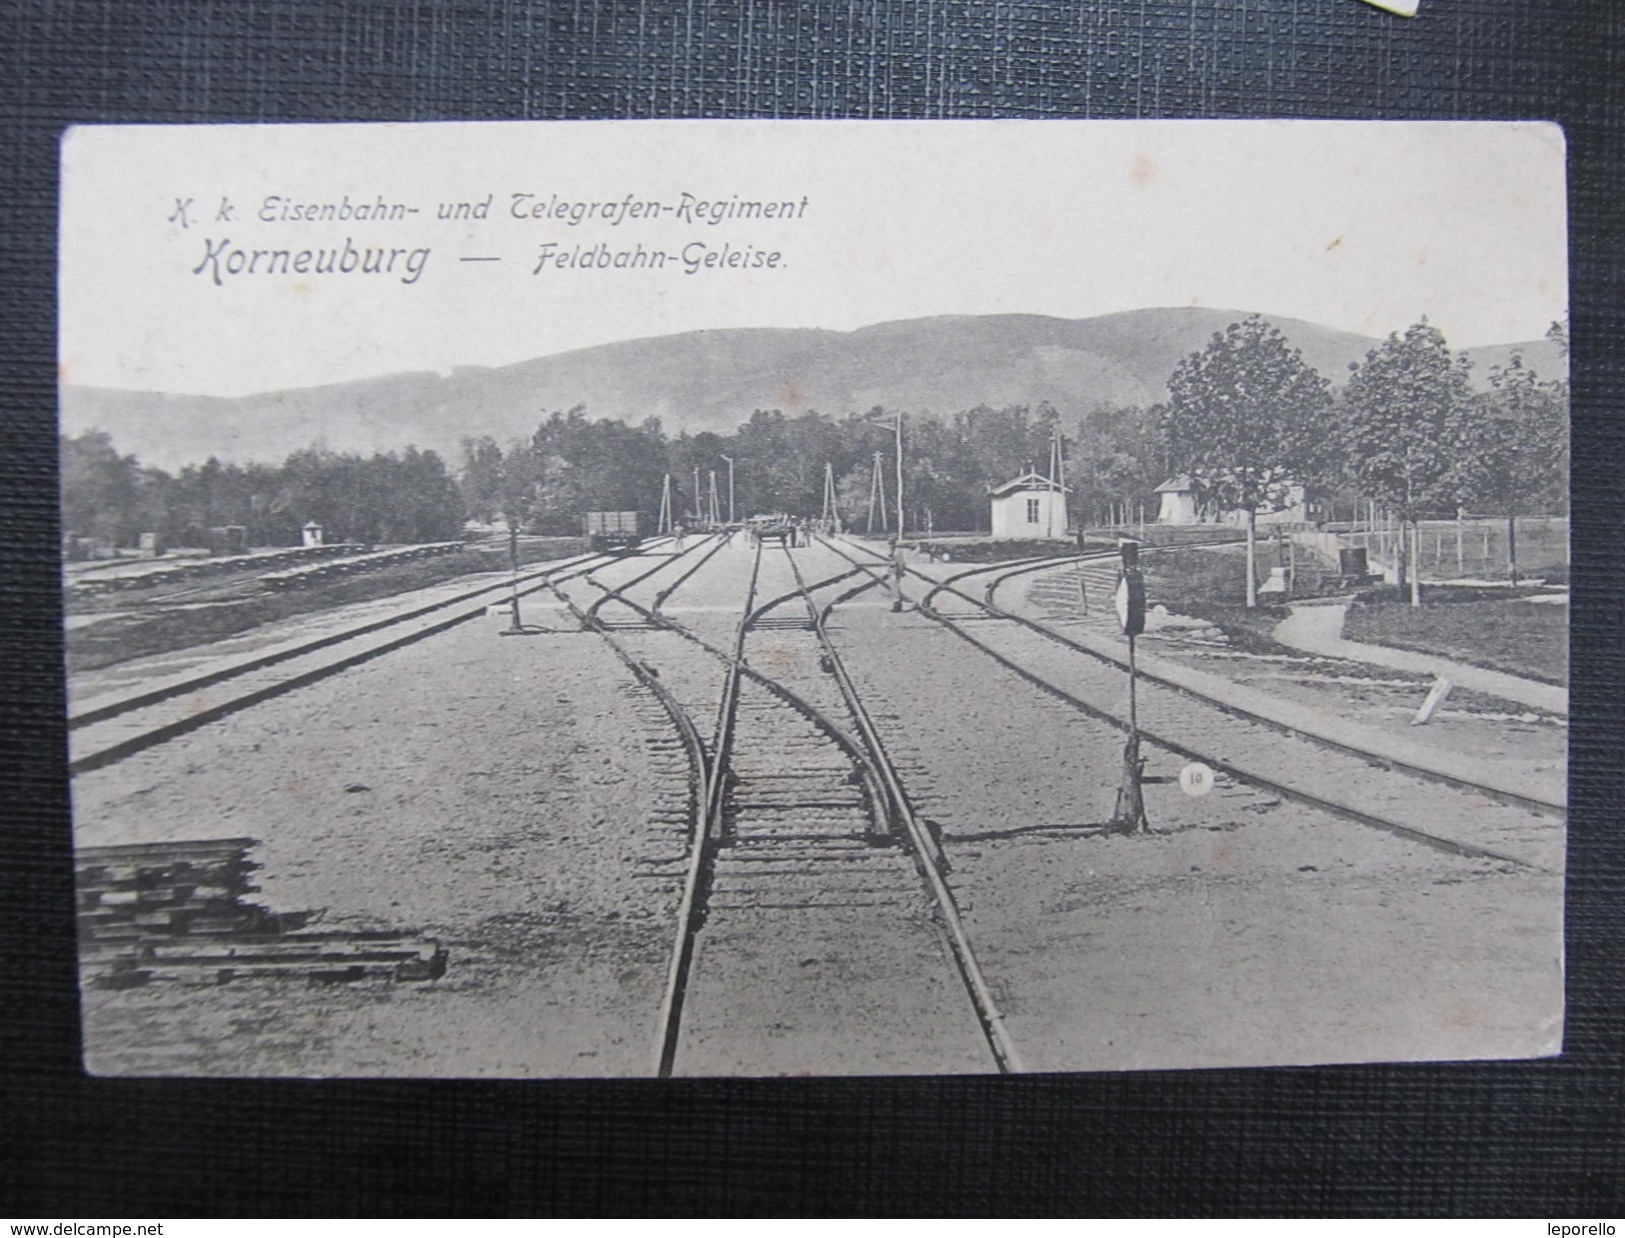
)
(1029, 506)
(1178, 501)
(311, 534)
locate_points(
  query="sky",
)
(187, 263)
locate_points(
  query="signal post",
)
(1128, 817)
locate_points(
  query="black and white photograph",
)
(783, 598)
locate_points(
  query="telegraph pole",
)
(877, 495)
(730, 461)
(1060, 477)
(716, 514)
(899, 472)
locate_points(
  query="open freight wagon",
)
(612, 530)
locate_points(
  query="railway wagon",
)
(773, 528)
(612, 530)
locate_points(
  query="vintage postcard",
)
(786, 598)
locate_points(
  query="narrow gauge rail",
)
(1253, 748)
(701, 782)
(802, 819)
(109, 728)
(593, 611)
(1533, 803)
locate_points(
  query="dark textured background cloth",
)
(1541, 1139)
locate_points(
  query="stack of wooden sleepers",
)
(170, 572)
(298, 578)
(176, 911)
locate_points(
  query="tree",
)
(421, 501)
(1558, 333)
(497, 483)
(104, 494)
(1516, 448)
(1406, 428)
(1241, 417)
(585, 465)
(1122, 453)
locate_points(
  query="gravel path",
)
(1319, 629)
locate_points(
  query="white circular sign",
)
(1196, 779)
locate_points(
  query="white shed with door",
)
(1029, 506)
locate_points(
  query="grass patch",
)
(1182, 578)
(1250, 631)
(1498, 633)
(1543, 546)
(989, 550)
(980, 548)
(1212, 585)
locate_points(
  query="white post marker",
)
(1196, 779)
(1435, 698)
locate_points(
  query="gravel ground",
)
(1242, 931)
(498, 795)
(517, 800)
(709, 602)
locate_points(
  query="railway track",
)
(112, 726)
(816, 929)
(808, 845)
(1453, 814)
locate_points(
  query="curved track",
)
(815, 928)
(1254, 748)
(808, 837)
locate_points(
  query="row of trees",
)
(409, 496)
(573, 463)
(1247, 418)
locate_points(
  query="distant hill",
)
(713, 380)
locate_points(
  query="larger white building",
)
(1180, 506)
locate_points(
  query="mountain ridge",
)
(714, 379)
